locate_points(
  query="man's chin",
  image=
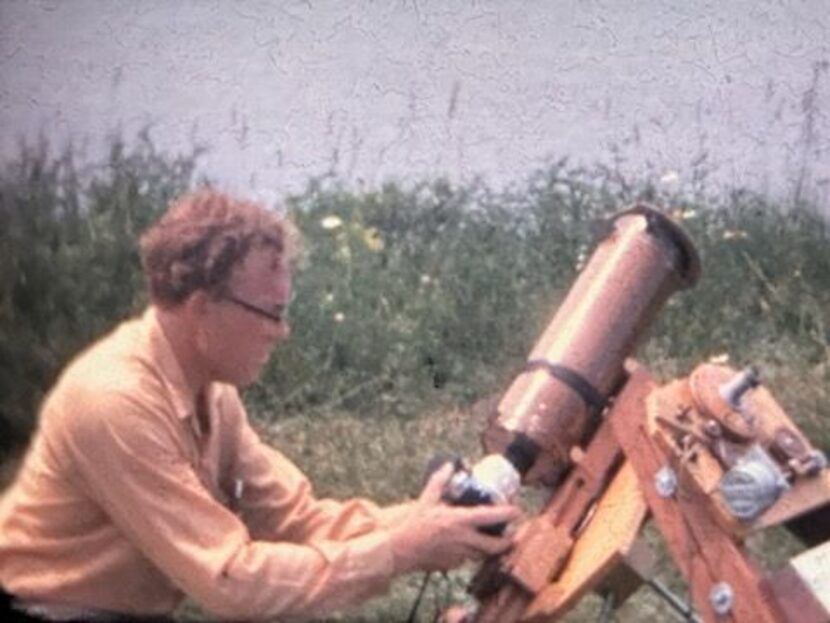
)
(241, 378)
(253, 376)
(244, 382)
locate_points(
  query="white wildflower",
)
(735, 234)
(331, 222)
(687, 214)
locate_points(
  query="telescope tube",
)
(577, 364)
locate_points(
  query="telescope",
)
(709, 459)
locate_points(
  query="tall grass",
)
(69, 264)
(415, 304)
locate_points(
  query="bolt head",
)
(721, 597)
(665, 481)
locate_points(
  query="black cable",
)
(414, 611)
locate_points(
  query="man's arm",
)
(132, 468)
(424, 533)
(276, 499)
(277, 503)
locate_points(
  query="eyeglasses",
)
(278, 316)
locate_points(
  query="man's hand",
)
(436, 536)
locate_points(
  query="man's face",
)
(241, 328)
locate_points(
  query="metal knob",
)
(733, 390)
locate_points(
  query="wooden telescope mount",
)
(661, 453)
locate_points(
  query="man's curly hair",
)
(202, 237)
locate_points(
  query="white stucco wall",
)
(283, 90)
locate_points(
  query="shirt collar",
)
(172, 375)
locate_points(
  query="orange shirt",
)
(125, 503)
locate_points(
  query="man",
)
(145, 482)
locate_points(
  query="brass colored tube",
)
(578, 361)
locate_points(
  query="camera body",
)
(495, 479)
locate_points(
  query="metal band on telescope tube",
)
(573, 379)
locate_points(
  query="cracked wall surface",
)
(410, 89)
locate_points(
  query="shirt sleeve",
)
(128, 460)
(277, 501)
